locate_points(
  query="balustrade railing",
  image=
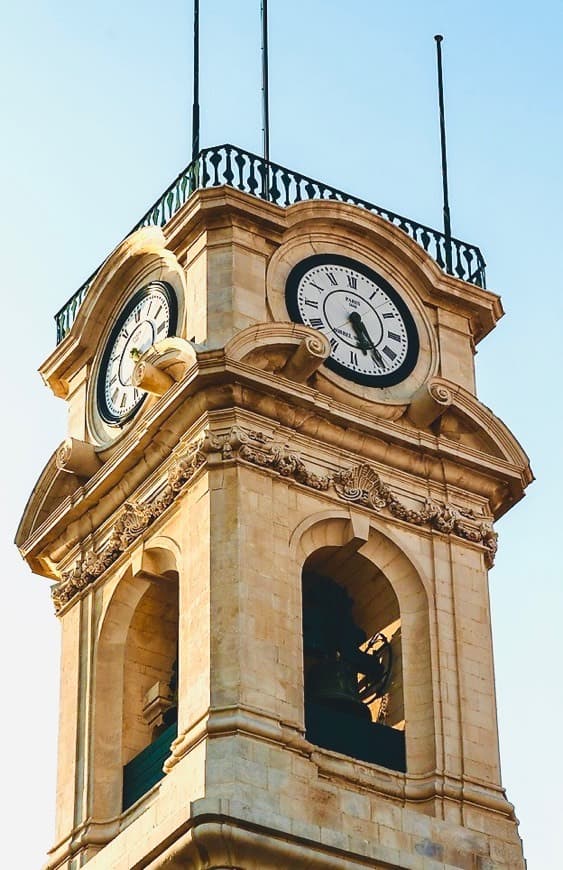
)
(227, 164)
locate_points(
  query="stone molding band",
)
(360, 484)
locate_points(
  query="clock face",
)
(372, 334)
(149, 316)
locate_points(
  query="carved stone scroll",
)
(78, 457)
(430, 402)
(308, 356)
(150, 378)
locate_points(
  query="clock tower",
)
(269, 529)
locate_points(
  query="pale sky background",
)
(96, 107)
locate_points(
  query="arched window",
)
(136, 673)
(150, 687)
(352, 659)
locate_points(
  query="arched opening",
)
(352, 654)
(331, 543)
(150, 688)
(135, 708)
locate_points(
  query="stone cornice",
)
(361, 484)
(218, 383)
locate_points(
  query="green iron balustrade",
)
(229, 165)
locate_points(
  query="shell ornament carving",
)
(363, 485)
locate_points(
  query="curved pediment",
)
(141, 257)
(474, 425)
(53, 487)
(326, 225)
(456, 415)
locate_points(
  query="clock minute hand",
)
(377, 356)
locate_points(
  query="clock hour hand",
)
(357, 325)
(364, 338)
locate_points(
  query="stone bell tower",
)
(269, 529)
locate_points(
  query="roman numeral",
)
(311, 303)
(352, 281)
(389, 353)
(123, 400)
(316, 322)
(333, 343)
(113, 380)
(137, 315)
(394, 336)
(388, 315)
(124, 333)
(161, 327)
(372, 295)
(158, 312)
(316, 286)
(332, 279)
(135, 394)
(114, 396)
(353, 357)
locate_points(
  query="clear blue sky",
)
(96, 109)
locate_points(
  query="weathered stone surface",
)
(194, 527)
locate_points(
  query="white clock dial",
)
(148, 317)
(372, 334)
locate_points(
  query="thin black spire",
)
(265, 83)
(195, 109)
(446, 207)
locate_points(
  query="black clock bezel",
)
(169, 293)
(384, 380)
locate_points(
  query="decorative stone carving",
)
(135, 518)
(286, 464)
(150, 378)
(78, 457)
(430, 402)
(307, 358)
(360, 484)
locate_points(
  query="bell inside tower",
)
(352, 660)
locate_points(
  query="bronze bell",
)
(344, 671)
(334, 684)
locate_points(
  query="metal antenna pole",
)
(446, 208)
(195, 110)
(265, 92)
